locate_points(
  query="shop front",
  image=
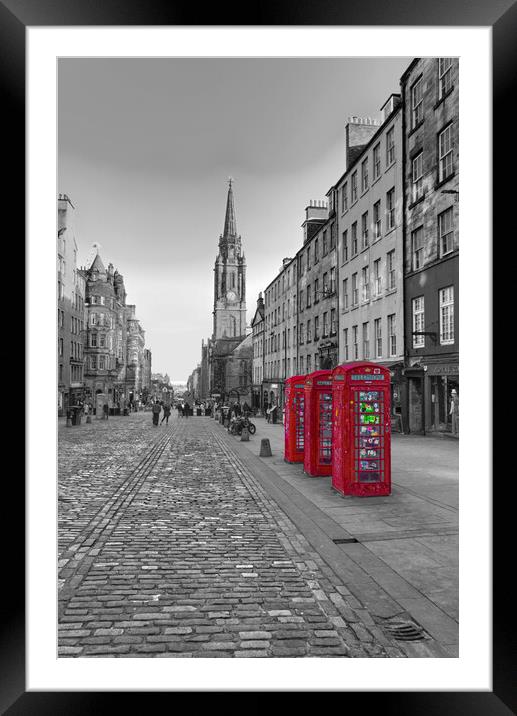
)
(433, 397)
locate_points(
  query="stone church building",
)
(227, 357)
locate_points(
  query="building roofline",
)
(370, 142)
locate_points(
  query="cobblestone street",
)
(170, 547)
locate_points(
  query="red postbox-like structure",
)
(361, 429)
(294, 418)
(318, 423)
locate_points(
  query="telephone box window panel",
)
(325, 441)
(299, 403)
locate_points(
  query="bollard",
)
(245, 435)
(265, 448)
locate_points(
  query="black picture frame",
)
(15, 16)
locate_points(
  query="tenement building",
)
(370, 244)
(279, 333)
(229, 353)
(430, 132)
(71, 287)
(317, 345)
(257, 329)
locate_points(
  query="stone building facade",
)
(370, 244)
(317, 289)
(135, 355)
(71, 311)
(280, 326)
(431, 171)
(258, 333)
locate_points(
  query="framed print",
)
(160, 535)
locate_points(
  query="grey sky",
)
(145, 150)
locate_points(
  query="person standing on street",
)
(454, 411)
(179, 408)
(157, 409)
(166, 414)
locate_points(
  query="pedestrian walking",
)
(106, 410)
(157, 409)
(166, 414)
(86, 409)
(186, 410)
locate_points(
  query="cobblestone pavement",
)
(169, 547)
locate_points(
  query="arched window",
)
(233, 326)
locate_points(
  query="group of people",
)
(157, 409)
(184, 410)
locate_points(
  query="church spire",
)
(230, 224)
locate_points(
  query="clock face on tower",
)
(231, 295)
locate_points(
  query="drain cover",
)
(344, 540)
(405, 631)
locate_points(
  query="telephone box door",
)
(318, 423)
(294, 418)
(362, 430)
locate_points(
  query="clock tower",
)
(229, 280)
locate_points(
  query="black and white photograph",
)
(248, 472)
(258, 357)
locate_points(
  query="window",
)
(364, 229)
(390, 209)
(316, 290)
(377, 224)
(93, 340)
(102, 362)
(366, 341)
(102, 340)
(354, 238)
(392, 337)
(302, 333)
(324, 248)
(309, 367)
(325, 283)
(445, 161)
(325, 325)
(390, 269)
(345, 343)
(377, 279)
(417, 247)
(378, 337)
(417, 103)
(332, 279)
(355, 343)
(94, 319)
(333, 326)
(364, 175)
(390, 146)
(344, 197)
(316, 327)
(333, 236)
(93, 362)
(446, 232)
(301, 365)
(316, 251)
(60, 345)
(444, 75)
(301, 269)
(308, 302)
(345, 246)
(345, 294)
(355, 290)
(417, 168)
(418, 322)
(353, 189)
(376, 161)
(447, 315)
(309, 331)
(365, 283)
(308, 259)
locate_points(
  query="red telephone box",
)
(294, 418)
(318, 423)
(361, 429)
